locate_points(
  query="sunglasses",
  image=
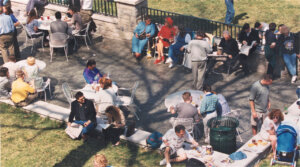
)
(298, 103)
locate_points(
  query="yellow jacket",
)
(20, 90)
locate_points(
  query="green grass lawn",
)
(266, 162)
(246, 11)
(30, 140)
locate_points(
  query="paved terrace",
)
(156, 81)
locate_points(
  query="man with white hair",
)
(289, 46)
(230, 48)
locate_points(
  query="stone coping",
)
(140, 136)
(130, 2)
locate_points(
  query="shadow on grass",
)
(238, 17)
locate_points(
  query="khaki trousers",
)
(198, 70)
(86, 16)
(6, 46)
(27, 101)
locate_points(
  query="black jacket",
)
(253, 36)
(289, 44)
(89, 111)
(230, 46)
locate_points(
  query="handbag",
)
(142, 36)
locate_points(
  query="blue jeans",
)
(87, 129)
(290, 62)
(138, 44)
(230, 11)
(174, 52)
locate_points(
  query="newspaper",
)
(245, 49)
(74, 130)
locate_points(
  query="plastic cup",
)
(42, 18)
(48, 17)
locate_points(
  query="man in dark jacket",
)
(84, 112)
(231, 48)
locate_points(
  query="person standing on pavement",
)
(259, 102)
(199, 48)
(230, 11)
(270, 48)
(6, 35)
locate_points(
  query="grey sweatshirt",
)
(199, 50)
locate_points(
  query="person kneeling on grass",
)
(85, 114)
(172, 145)
(269, 127)
(116, 120)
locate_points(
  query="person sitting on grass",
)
(269, 127)
(208, 108)
(85, 114)
(91, 74)
(172, 145)
(22, 93)
(116, 129)
(4, 83)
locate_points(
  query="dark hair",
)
(90, 62)
(186, 96)
(276, 113)
(57, 15)
(206, 88)
(246, 26)
(9, 11)
(3, 71)
(182, 31)
(272, 26)
(72, 8)
(257, 24)
(31, 16)
(11, 58)
(280, 25)
(201, 34)
(178, 128)
(78, 95)
(267, 77)
(113, 113)
(147, 17)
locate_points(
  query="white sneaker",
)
(168, 165)
(163, 162)
(171, 65)
(169, 60)
(294, 78)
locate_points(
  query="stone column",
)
(129, 13)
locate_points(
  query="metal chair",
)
(128, 100)
(83, 33)
(188, 123)
(58, 40)
(68, 92)
(45, 85)
(33, 37)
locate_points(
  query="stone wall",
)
(120, 27)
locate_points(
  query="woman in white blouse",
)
(106, 96)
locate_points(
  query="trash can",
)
(223, 134)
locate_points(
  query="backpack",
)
(154, 140)
(194, 162)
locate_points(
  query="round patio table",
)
(176, 98)
(91, 94)
(41, 64)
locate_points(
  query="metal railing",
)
(194, 23)
(105, 7)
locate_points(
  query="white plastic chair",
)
(188, 123)
(83, 33)
(45, 85)
(68, 92)
(128, 100)
(58, 40)
(32, 38)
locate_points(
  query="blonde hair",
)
(100, 161)
(30, 60)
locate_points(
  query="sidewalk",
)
(156, 81)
